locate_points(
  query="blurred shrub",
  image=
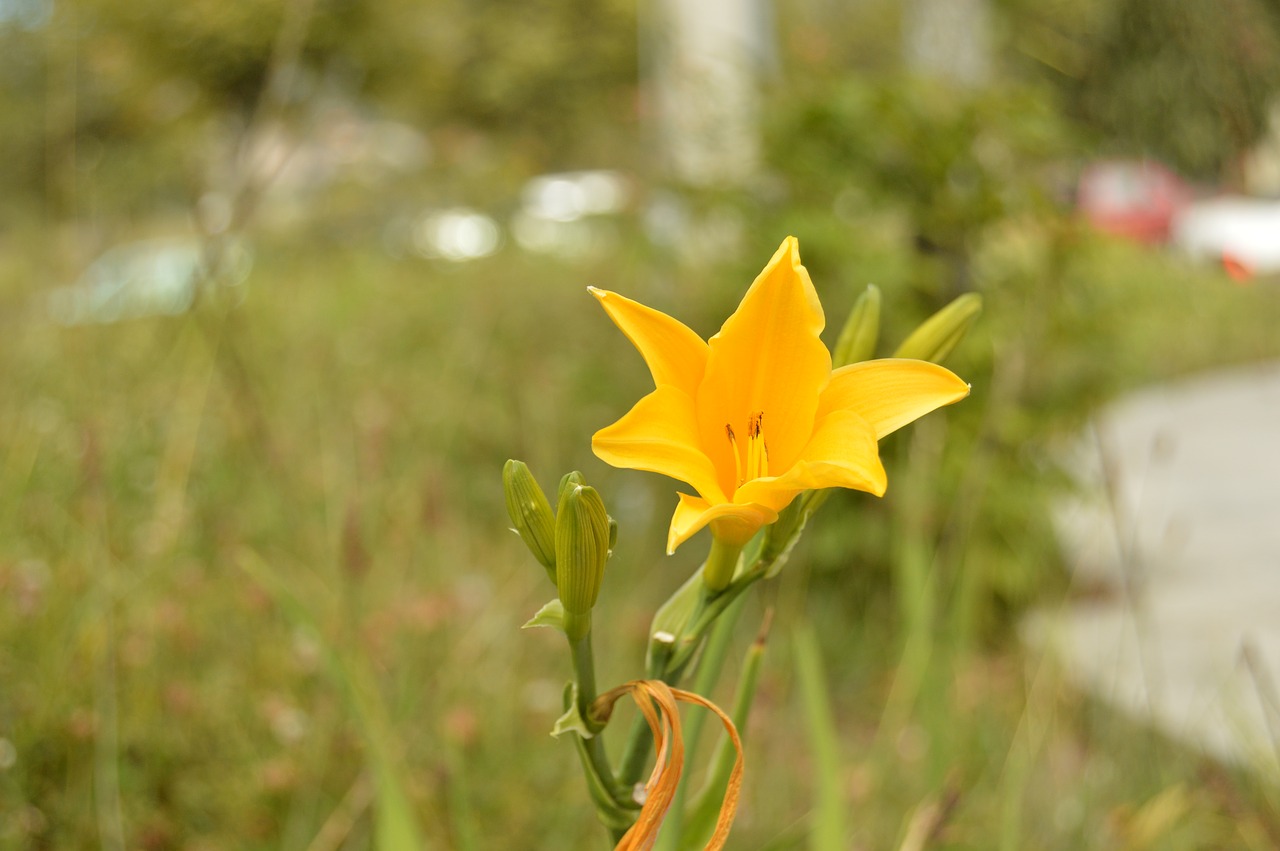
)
(950, 163)
(1188, 83)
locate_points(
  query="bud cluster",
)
(572, 544)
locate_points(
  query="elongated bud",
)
(568, 480)
(938, 335)
(861, 330)
(531, 514)
(780, 536)
(582, 548)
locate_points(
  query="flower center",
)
(756, 463)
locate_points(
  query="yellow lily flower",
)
(755, 416)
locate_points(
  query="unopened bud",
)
(531, 514)
(780, 535)
(861, 330)
(938, 335)
(582, 548)
(568, 480)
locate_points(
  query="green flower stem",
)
(712, 663)
(672, 659)
(584, 673)
(640, 737)
(700, 819)
(706, 617)
(616, 818)
(639, 740)
(671, 667)
(709, 669)
(721, 563)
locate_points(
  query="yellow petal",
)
(733, 523)
(841, 454)
(891, 392)
(675, 355)
(660, 435)
(766, 358)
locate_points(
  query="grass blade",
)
(827, 830)
(396, 827)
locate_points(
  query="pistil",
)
(737, 457)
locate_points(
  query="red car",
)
(1136, 199)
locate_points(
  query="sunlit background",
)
(284, 282)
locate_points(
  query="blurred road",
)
(1177, 536)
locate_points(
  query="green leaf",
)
(827, 830)
(552, 614)
(572, 721)
(670, 621)
(700, 821)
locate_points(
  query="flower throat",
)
(757, 463)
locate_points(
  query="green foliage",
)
(138, 105)
(348, 420)
(532, 69)
(23, 71)
(949, 162)
(828, 830)
(395, 825)
(1187, 83)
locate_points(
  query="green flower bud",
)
(531, 514)
(582, 548)
(568, 480)
(861, 330)
(938, 335)
(780, 536)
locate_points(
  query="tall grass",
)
(346, 426)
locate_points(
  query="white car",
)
(1243, 234)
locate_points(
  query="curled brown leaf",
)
(658, 703)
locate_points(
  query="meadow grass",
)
(199, 514)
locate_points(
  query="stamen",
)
(757, 450)
(737, 459)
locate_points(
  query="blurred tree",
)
(1188, 83)
(705, 62)
(551, 73)
(125, 94)
(23, 75)
(952, 164)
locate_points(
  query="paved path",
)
(1180, 529)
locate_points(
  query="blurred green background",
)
(282, 285)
